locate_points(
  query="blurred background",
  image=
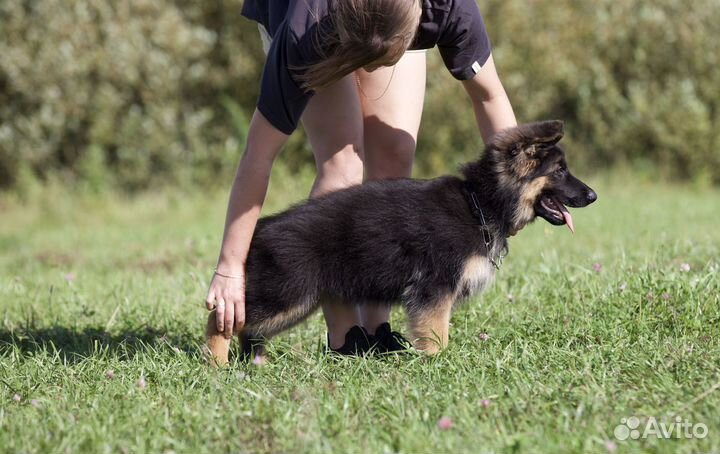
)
(140, 94)
(121, 126)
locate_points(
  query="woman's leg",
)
(333, 123)
(392, 101)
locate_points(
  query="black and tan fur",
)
(419, 243)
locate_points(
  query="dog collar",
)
(487, 236)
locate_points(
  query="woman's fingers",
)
(229, 319)
(239, 315)
(228, 302)
(210, 301)
(220, 314)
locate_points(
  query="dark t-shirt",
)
(455, 26)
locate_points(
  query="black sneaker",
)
(387, 341)
(357, 342)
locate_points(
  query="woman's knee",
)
(339, 169)
(390, 158)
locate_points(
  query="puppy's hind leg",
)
(253, 348)
(218, 346)
(429, 324)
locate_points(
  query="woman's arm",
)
(492, 107)
(249, 188)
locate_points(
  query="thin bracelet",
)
(229, 276)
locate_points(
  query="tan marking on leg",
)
(429, 327)
(217, 345)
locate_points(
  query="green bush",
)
(635, 80)
(138, 93)
(136, 84)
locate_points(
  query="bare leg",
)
(392, 102)
(333, 122)
(339, 318)
(373, 315)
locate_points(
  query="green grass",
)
(90, 285)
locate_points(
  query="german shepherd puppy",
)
(424, 244)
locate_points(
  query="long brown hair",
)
(359, 33)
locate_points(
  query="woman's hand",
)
(227, 296)
(227, 288)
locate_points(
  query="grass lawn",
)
(101, 321)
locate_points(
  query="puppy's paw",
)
(428, 346)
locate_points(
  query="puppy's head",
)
(529, 164)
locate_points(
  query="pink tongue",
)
(566, 215)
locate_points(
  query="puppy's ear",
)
(541, 137)
(528, 138)
(544, 133)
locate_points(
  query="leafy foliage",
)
(137, 93)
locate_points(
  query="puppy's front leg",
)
(218, 346)
(429, 324)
